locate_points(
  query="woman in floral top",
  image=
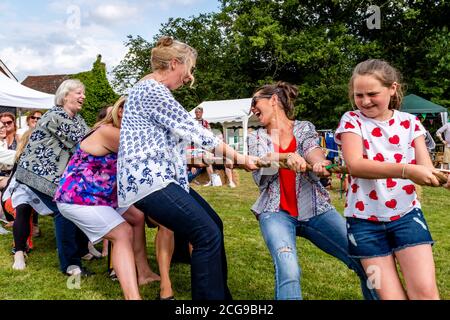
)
(152, 175)
(293, 202)
(38, 172)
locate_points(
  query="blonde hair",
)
(112, 117)
(383, 72)
(167, 49)
(22, 143)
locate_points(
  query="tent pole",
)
(245, 127)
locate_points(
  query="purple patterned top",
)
(89, 180)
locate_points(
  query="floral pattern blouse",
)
(50, 147)
(312, 198)
(89, 180)
(155, 133)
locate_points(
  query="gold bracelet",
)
(403, 171)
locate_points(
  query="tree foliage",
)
(313, 44)
(98, 91)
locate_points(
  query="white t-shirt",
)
(385, 141)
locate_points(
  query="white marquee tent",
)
(229, 113)
(14, 94)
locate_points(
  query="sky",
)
(41, 37)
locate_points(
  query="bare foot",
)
(152, 277)
(166, 292)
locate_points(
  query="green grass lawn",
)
(249, 263)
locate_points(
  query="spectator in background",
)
(228, 168)
(9, 121)
(6, 163)
(445, 130)
(199, 117)
(32, 118)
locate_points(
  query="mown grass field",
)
(250, 266)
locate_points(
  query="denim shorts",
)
(369, 239)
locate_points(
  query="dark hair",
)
(11, 116)
(102, 113)
(383, 72)
(286, 93)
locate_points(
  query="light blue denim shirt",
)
(155, 133)
(312, 198)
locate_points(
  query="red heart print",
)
(348, 125)
(416, 128)
(353, 114)
(359, 205)
(405, 124)
(377, 132)
(391, 203)
(373, 195)
(394, 139)
(413, 143)
(366, 144)
(354, 188)
(398, 157)
(372, 218)
(379, 157)
(394, 218)
(391, 122)
(410, 188)
(359, 123)
(390, 183)
(413, 161)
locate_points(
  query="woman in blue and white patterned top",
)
(152, 174)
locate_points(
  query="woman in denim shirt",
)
(293, 202)
(152, 174)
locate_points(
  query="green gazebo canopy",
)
(417, 105)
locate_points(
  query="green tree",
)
(313, 44)
(98, 91)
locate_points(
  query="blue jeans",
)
(369, 239)
(189, 215)
(327, 231)
(71, 242)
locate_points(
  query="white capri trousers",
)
(94, 221)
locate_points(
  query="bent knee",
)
(424, 292)
(122, 231)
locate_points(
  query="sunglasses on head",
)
(35, 118)
(7, 123)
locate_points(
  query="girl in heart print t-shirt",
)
(385, 153)
(384, 141)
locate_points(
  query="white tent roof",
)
(13, 94)
(222, 111)
(229, 113)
